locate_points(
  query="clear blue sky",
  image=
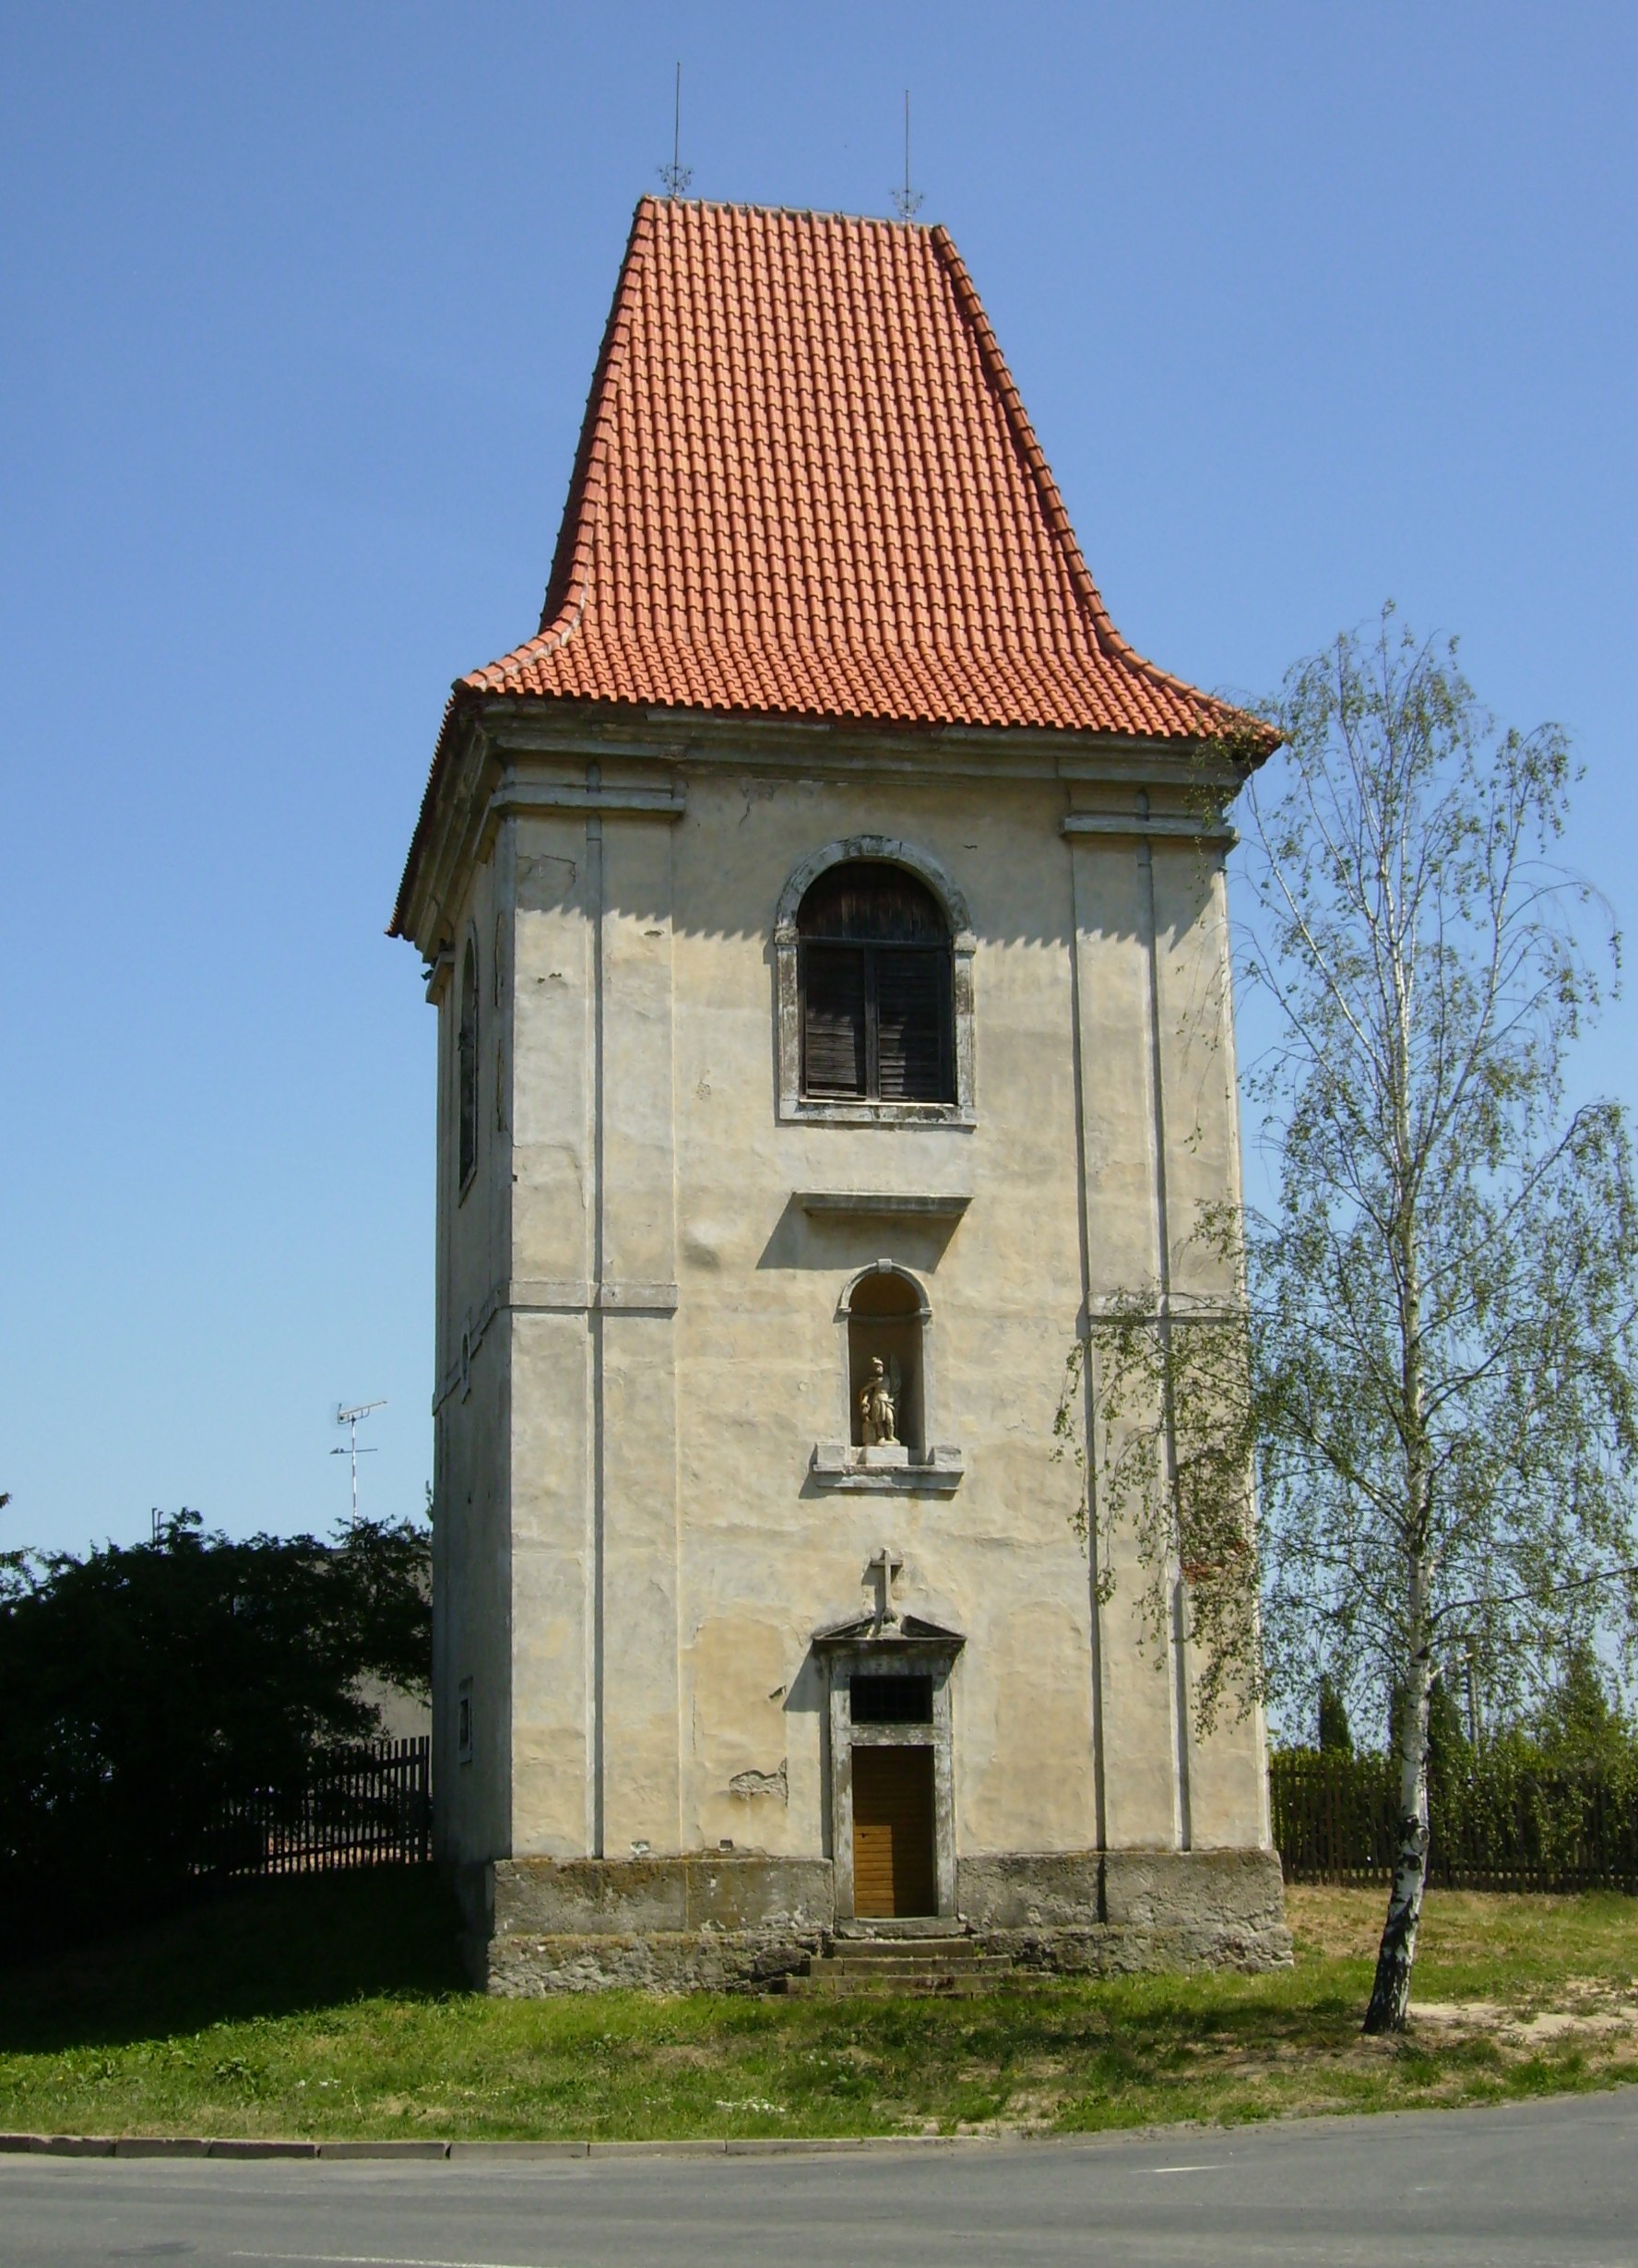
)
(1310, 304)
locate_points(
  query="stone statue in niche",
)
(878, 1405)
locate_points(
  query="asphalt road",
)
(1554, 2182)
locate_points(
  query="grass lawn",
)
(329, 2008)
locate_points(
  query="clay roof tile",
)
(806, 484)
(805, 450)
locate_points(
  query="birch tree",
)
(1432, 1373)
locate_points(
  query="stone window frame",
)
(882, 851)
(888, 1655)
(838, 1464)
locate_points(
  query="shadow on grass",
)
(261, 1949)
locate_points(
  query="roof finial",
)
(906, 202)
(676, 176)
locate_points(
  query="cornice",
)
(706, 737)
(512, 756)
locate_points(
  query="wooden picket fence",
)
(365, 1806)
(1494, 1825)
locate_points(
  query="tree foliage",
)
(143, 1686)
(1336, 1733)
(1578, 1725)
(1174, 1395)
(1445, 1296)
(1431, 1373)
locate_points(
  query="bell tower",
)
(827, 949)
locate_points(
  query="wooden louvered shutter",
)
(833, 1012)
(874, 976)
(912, 996)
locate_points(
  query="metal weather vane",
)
(676, 176)
(906, 202)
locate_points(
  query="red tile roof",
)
(807, 483)
(806, 486)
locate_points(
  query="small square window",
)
(890, 1700)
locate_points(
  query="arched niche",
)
(887, 1319)
(884, 1313)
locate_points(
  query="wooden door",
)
(893, 1866)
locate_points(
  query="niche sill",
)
(874, 1205)
(838, 1467)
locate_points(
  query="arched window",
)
(873, 976)
(467, 1067)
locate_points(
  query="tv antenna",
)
(906, 202)
(676, 176)
(349, 1419)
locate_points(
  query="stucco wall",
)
(761, 1359)
(634, 1553)
(471, 1539)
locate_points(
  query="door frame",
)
(892, 1656)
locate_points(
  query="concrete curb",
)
(194, 2146)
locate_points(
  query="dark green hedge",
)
(1500, 1819)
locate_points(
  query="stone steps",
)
(913, 1963)
(954, 1967)
(819, 1987)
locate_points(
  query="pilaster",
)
(1119, 1112)
(634, 1338)
(1228, 1782)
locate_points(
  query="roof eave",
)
(429, 859)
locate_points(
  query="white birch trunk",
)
(1390, 1991)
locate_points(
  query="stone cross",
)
(888, 1563)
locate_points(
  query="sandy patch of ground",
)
(1587, 2013)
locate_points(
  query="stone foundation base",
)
(707, 1923)
(735, 1922)
(520, 1967)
